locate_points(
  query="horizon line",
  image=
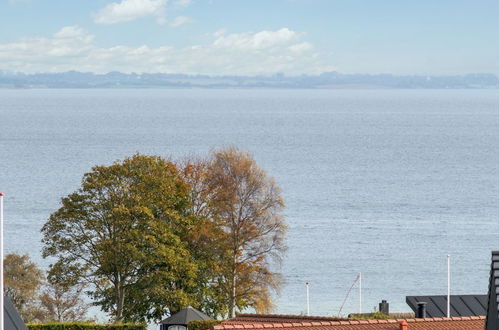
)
(263, 75)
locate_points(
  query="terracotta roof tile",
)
(454, 323)
(282, 318)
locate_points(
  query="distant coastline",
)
(327, 80)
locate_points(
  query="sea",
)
(386, 183)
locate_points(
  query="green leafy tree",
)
(123, 233)
(23, 280)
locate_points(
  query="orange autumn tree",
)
(23, 280)
(204, 239)
(237, 198)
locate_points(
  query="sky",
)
(250, 37)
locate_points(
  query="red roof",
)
(294, 322)
(279, 318)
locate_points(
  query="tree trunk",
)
(232, 302)
(233, 297)
(120, 301)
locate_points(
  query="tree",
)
(63, 303)
(123, 233)
(205, 240)
(239, 199)
(23, 279)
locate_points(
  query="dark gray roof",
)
(184, 316)
(12, 319)
(492, 320)
(460, 305)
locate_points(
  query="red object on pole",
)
(2, 194)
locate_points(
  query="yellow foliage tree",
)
(236, 196)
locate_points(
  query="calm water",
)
(383, 182)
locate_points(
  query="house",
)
(298, 322)
(181, 319)
(476, 312)
(460, 305)
(12, 319)
(492, 322)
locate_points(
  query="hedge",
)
(85, 326)
(202, 325)
(370, 316)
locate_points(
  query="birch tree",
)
(236, 196)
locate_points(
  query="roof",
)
(184, 316)
(12, 319)
(317, 325)
(492, 322)
(460, 305)
(271, 318)
(403, 315)
(454, 323)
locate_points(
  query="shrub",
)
(370, 316)
(84, 326)
(202, 325)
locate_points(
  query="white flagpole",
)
(360, 293)
(448, 285)
(1, 263)
(308, 299)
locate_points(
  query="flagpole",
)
(448, 285)
(1, 263)
(308, 299)
(360, 293)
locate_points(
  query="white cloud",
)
(301, 47)
(259, 40)
(72, 48)
(182, 3)
(73, 32)
(181, 20)
(219, 33)
(130, 10)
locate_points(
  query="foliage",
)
(248, 205)
(242, 208)
(23, 279)
(202, 325)
(145, 238)
(63, 303)
(85, 326)
(371, 316)
(122, 233)
(205, 239)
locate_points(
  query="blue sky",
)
(250, 36)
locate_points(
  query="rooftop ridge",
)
(286, 316)
(342, 322)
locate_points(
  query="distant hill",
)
(330, 80)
